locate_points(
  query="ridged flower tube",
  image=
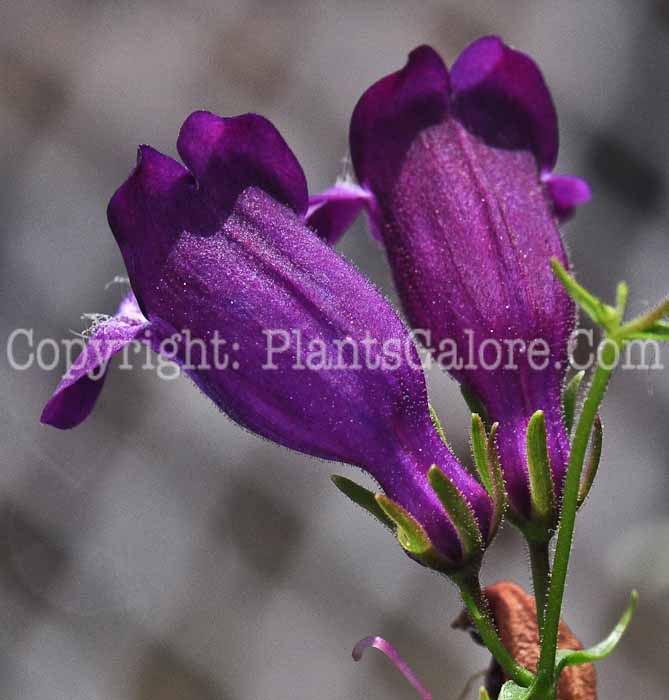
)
(455, 173)
(219, 248)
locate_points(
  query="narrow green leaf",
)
(410, 533)
(474, 403)
(542, 493)
(570, 399)
(644, 322)
(480, 452)
(622, 293)
(657, 331)
(497, 478)
(459, 511)
(511, 691)
(437, 426)
(595, 308)
(483, 694)
(599, 651)
(590, 471)
(362, 497)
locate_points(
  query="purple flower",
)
(455, 175)
(219, 250)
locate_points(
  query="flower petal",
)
(229, 154)
(79, 389)
(161, 198)
(333, 211)
(147, 214)
(500, 95)
(391, 112)
(566, 193)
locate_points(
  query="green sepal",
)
(483, 694)
(601, 313)
(362, 497)
(480, 451)
(437, 426)
(511, 691)
(570, 398)
(410, 532)
(567, 657)
(542, 492)
(497, 477)
(590, 471)
(459, 511)
(474, 403)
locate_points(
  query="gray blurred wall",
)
(158, 552)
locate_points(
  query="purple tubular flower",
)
(456, 175)
(220, 250)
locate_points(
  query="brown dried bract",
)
(514, 611)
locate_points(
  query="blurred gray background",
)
(160, 553)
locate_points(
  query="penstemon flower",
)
(220, 249)
(454, 171)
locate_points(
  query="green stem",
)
(473, 598)
(569, 504)
(541, 575)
